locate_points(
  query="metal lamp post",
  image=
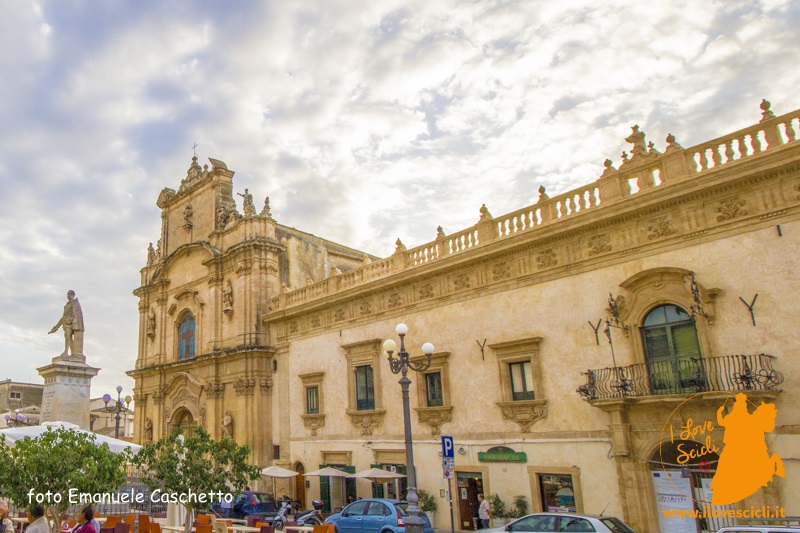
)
(18, 419)
(117, 407)
(401, 365)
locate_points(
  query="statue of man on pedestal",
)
(72, 322)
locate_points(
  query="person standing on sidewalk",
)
(483, 512)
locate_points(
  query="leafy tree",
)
(519, 507)
(427, 502)
(47, 467)
(195, 465)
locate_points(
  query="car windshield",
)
(616, 525)
(263, 497)
(402, 507)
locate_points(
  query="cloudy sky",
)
(363, 120)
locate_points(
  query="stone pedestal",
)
(67, 382)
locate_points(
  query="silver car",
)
(564, 522)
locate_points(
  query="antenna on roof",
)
(604, 508)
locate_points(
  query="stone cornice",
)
(664, 217)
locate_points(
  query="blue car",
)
(374, 516)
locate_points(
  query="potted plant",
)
(427, 503)
(497, 509)
(519, 506)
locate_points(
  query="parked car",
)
(374, 516)
(248, 503)
(564, 522)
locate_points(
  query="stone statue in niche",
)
(227, 425)
(227, 298)
(233, 218)
(151, 254)
(72, 322)
(151, 323)
(158, 248)
(187, 216)
(636, 138)
(148, 430)
(222, 217)
(247, 204)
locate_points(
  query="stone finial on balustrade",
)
(672, 144)
(440, 233)
(400, 246)
(651, 149)
(485, 214)
(766, 113)
(542, 195)
(609, 167)
(636, 138)
(366, 259)
(624, 157)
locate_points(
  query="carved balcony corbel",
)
(367, 421)
(435, 417)
(314, 423)
(525, 412)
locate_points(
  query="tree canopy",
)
(56, 467)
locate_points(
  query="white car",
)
(557, 522)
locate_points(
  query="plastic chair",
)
(203, 529)
(122, 527)
(106, 530)
(155, 527)
(324, 528)
(144, 523)
(130, 519)
(265, 528)
(112, 521)
(204, 519)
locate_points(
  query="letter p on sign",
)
(448, 451)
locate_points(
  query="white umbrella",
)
(329, 471)
(276, 472)
(14, 434)
(378, 475)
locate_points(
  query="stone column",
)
(67, 383)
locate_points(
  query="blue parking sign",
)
(448, 450)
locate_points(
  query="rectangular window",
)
(558, 493)
(521, 381)
(312, 400)
(15, 395)
(433, 383)
(365, 388)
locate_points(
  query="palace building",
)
(587, 346)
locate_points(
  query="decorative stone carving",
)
(266, 385)
(546, 258)
(394, 300)
(227, 425)
(599, 243)
(151, 324)
(316, 321)
(426, 291)
(161, 299)
(524, 412)
(151, 254)
(609, 167)
(167, 415)
(365, 308)
(461, 282)
(188, 212)
(338, 315)
(222, 217)
(501, 271)
(215, 279)
(440, 233)
(244, 386)
(766, 114)
(148, 430)
(672, 144)
(367, 421)
(435, 417)
(314, 423)
(543, 196)
(215, 389)
(203, 415)
(158, 396)
(660, 227)
(400, 247)
(636, 138)
(266, 212)
(247, 204)
(227, 299)
(485, 214)
(244, 267)
(730, 208)
(294, 327)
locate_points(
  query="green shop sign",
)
(502, 454)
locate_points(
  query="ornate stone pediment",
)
(524, 412)
(314, 423)
(367, 421)
(435, 417)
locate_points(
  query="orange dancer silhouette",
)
(745, 464)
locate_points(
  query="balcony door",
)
(672, 351)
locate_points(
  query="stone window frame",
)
(518, 351)
(651, 288)
(362, 354)
(178, 323)
(536, 494)
(368, 374)
(313, 379)
(439, 363)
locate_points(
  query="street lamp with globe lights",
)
(16, 420)
(401, 365)
(117, 407)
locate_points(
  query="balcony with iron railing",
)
(684, 376)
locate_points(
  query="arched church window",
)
(186, 336)
(671, 348)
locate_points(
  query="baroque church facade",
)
(589, 347)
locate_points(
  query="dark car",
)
(374, 516)
(248, 503)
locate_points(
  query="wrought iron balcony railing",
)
(683, 376)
